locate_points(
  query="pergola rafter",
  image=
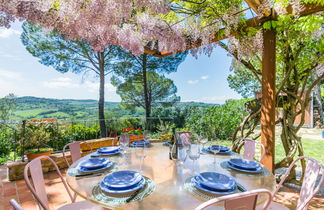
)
(268, 102)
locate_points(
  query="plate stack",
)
(108, 150)
(120, 182)
(94, 165)
(222, 149)
(143, 143)
(214, 183)
(248, 166)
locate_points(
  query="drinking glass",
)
(124, 142)
(146, 135)
(141, 153)
(203, 139)
(194, 154)
(182, 156)
(215, 150)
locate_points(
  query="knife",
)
(133, 195)
(85, 175)
(241, 188)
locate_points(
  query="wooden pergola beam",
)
(254, 5)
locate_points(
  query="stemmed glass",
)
(124, 142)
(203, 139)
(215, 149)
(141, 153)
(194, 154)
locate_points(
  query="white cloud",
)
(192, 82)
(61, 82)
(66, 82)
(94, 86)
(7, 32)
(10, 75)
(204, 77)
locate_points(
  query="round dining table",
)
(169, 178)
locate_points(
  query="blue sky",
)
(202, 79)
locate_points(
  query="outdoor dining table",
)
(169, 179)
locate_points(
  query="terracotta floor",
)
(57, 195)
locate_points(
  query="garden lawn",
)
(312, 148)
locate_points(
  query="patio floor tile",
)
(57, 195)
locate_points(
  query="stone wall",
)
(15, 170)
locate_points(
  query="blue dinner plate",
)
(140, 143)
(122, 179)
(94, 163)
(255, 171)
(244, 164)
(222, 148)
(85, 170)
(135, 187)
(206, 189)
(216, 181)
(108, 150)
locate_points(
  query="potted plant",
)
(134, 134)
(35, 139)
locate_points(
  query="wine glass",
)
(194, 154)
(214, 148)
(124, 142)
(141, 153)
(203, 139)
(146, 135)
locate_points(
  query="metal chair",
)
(15, 205)
(75, 151)
(250, 147)
(184, 137)
(38, 187)
(308, 188)
(245, 200)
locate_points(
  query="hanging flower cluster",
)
(128, 23)
(171, 26)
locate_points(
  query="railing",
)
(63, 132)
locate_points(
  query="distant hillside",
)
(71, 109)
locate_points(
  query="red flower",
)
(139, 129)
(124, 129)
(128, 129)
(132, 127)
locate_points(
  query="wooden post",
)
(268, 103)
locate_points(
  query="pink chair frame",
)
(248, 200)
(15, 205)
(38, 187)
(308, 189)
(249, 149)
(75, 151)
(184, 136)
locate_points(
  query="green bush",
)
(78, 133)
(219, 121)
(5, 142)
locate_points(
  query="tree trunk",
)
(101, 104)
(147, 102)
(318, 100)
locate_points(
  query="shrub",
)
(5, 142)
(219, 121)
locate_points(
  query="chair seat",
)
(277, 206)
(84, 205)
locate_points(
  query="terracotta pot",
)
(136, 137)
(166, 137)
(35, 155)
